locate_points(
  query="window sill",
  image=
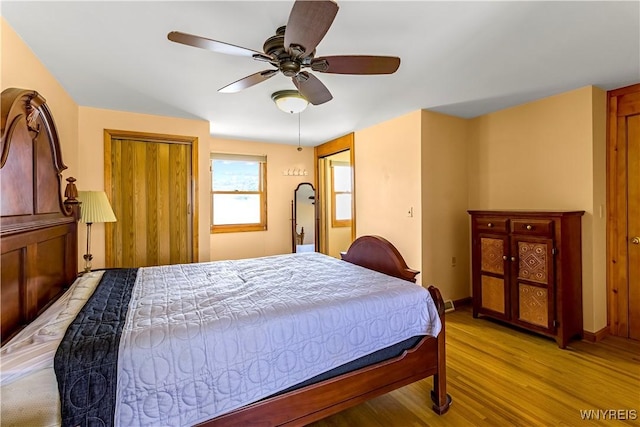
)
(237, 228)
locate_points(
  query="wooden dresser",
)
(527, 270)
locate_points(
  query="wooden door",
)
(149, 184)
(623, 201)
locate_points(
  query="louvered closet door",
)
(151, 197)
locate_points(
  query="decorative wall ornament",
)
(295, 172)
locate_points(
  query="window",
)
(238, 193)
(340, 194)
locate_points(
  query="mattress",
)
(294, 317)
(28, 386)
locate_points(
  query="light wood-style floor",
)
(499, 376)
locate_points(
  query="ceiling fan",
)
(293, 49)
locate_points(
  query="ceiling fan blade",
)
(308, 22)
(312, 88)
(356, 64)
(248, 81)
(214, 45)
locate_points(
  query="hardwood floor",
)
(499, 376)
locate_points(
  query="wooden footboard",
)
(317, 401)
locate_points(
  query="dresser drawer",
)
(496, 225)
(532, 227)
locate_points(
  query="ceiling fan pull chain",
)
(299, 147)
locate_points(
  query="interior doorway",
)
(335, 183)
(150, 181)
(623, 219)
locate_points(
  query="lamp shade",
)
(95, 207)
(290, 101)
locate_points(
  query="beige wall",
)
(388, 184)
(20, 68)
(81, 134)
(596, 297)
(91, 125)
(549, 154)
(418, 161)
(445, 188)
(534, 156)
(277, 238)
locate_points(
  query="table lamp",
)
(94, 208)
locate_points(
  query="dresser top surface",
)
(525, 212)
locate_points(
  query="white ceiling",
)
(460, 58)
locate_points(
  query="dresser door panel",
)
(533, 287)
(493, 283)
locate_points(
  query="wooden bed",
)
(39, 260)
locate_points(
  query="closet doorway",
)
(335, 203)
(150, 181)
(623, 217)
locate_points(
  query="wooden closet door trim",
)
(618, 106)
(338, 145)
(109, 134)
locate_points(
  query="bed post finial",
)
(71, 202)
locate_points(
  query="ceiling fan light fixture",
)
(290, 101)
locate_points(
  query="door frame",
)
(335, 146)
(617, 217)
(110, 134)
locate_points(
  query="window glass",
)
(236, 209)
(342, 179)
(238, 193)
(341, 198)
(343, 207)
(233, 175)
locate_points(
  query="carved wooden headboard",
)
(38, 231)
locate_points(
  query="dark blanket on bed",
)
(86, 362)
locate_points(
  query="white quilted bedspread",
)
(203, 339)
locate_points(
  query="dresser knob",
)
(504, 257)
(529, 227)
(636, 240)
(490, 225)
(513, 258)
